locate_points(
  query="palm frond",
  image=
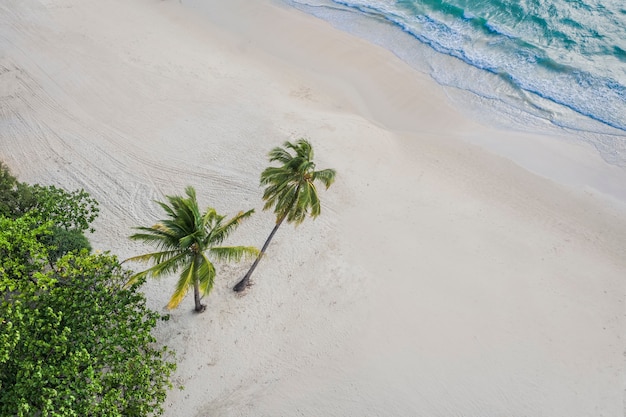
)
(158, 229)
(164, 262)
(136, 277)
(185, 281)
(168, 210)
(301, 147)
(169, 265)
(233, 253)
(221, 232)
(186, 217)
(174, 231)
(305, 149)
(191, 192)
(211, 223)
(304, 196)
(299, 167)
(276, 175)
(188, 240)
(280, 155)
(296, 215)
(286, 201)
(274, 190)
(159, 235)
(327, 176)
(153, 256)
(206, 275)
(210, 217)
(314, 201)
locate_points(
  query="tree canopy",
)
(187, 240)
(64, 209)
(68, 213)
(290, 188)
(73, 340)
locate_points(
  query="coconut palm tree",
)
(185, 241)
(290, 190)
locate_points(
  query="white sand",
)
(440, 280)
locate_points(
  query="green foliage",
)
(73, 340)
(61, 241)
(7, 180)
(185, 241)
(15, 198)
(65, 209)
(22, 254)
(8, 184)
(290, 188)
(70, 210)
(68, 214)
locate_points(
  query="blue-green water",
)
(555, 62)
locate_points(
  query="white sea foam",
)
(502, 79)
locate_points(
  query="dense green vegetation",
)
(68, 213)
(187, 241)
(73, 340)
(290, 190)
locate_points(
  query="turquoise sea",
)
(545, 65)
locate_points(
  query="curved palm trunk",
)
(196, 296)
(245, 281)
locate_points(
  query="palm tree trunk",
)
(245, 281)
(196, 296)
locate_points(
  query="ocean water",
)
(552, 66)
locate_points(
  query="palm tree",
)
(290, 190)
(184, 241)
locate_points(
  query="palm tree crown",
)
(185, 242)
(290, 190)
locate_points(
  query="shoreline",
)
(447, 70)
(440, 279)
(533, 143)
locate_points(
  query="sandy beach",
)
(444, 277)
